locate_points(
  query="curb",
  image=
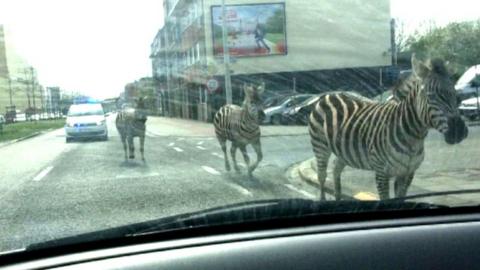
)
(307, 173)
(25, 138)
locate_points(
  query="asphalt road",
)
(51, 189)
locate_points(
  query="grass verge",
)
(22, 129)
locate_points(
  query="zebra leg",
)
(257, 146)
(233, 153)
(337, 172)
(322, 154)
(124, 142)
(131, 147)
(243, 149)
(223, 144)
(401, 184)
(383, 185)
(142, 144)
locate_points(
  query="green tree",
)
(458, 43)
(275, 23)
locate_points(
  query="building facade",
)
(19, 86)
(298, 46)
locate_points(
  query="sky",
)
(97, 46)
(90, 46)
(414, 13)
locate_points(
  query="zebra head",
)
(440, 106)
(253, 101)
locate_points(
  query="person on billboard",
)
(259, 37)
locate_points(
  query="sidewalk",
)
(165, 126)
(360, 185)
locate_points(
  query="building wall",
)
(14, 66)
(332, 44)
(321, 34)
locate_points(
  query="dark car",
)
(275, 99)
(299, 114)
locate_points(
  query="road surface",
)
(50, 189)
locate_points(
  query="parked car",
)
(10, 114)
(275, 99)
(469, 108)
(86, 121)
(467, 84)
(299, 114)
(273, 115)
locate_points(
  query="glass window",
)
(405, 61)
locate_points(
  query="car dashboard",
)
(397, 242)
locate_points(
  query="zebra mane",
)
(405, 84)
(437, 66)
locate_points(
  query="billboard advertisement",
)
(253, 29)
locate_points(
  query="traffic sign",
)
(212, 84)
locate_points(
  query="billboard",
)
(253, 29)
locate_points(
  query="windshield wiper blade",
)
(279, 209)
(436, 194)
(240, 213)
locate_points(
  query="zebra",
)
(387, 138)
(240, 125)
(130, 123)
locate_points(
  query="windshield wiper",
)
(435, 194)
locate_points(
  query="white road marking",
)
(201, 148)
(211, 170)
(303, 192)
(200, 143)
(217, 155)
(178, 149)
(43, 173)
(171, 144)
(241, 189)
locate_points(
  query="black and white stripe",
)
(240, 126)
(130, 123)
(387, 138)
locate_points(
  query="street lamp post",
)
(33, 94)
(10, 88)
(226, 56)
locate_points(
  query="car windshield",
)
(275, 101)
(469, 75)
(308, 101)
(85, 109)
(182, 89)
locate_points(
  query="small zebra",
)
(240, 125)
(130, 123)
(388, 137)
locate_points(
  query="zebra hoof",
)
(131, 157)
(237, 169)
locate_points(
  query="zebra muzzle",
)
(457, 130)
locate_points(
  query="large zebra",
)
(388, 137)
(130, 123)
(240, 125)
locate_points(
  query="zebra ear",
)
(248, 90)
(419, 68)
(261, 88)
